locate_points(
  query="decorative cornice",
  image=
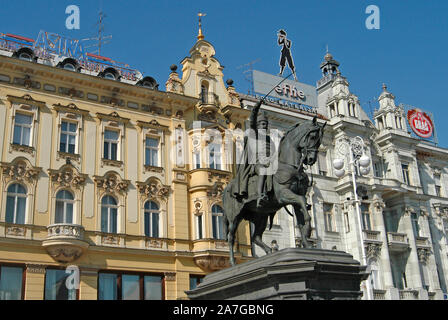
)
(170, 276)
(373, 250)
(153, 188)
(111, 182)
(67, 176)
(25, 99)
(423, 254)
(113, 116)
(36, 268)
(71, 107)
(153, 124)
(19, 170)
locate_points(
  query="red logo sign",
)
(420, 123)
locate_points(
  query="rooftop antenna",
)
(248, 73)
(101, 39)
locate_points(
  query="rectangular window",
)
(111, 145)
(22, 129)
(328, 215)
(215, 156)
(377, 169)
(109, 219)
(365, 214)
(322, 161)
(405, 171)
(197, 160)
(347, 222)
(438, 191)
(15, 209)
(55, 286)
(415, 225)
(152, 224)
(68, 137)
(332, 111)
(199, 226)
(11, 281)
(130, 287)
(437, 185)
(152, 152)
(123, 286)
(380, 123)
(195, 281)
(152, 287)
(218, 232)
(107, 286)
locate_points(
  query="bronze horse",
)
(298, 147)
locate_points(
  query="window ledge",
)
(22, 148)
(71, 156)
(149, 168)
(112, 163)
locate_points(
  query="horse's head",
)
(310, 141)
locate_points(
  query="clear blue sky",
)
(408, 53)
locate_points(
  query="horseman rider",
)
(258, 153)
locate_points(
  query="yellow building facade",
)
(112, 182)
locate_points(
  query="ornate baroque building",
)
(107, 175)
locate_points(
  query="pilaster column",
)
(413, 264)
(35, 282)
(171, 286)
(386, 270)
(88, 287)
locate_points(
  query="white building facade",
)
(404, 207)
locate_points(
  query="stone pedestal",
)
(294, 274)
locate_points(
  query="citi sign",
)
(290, 91)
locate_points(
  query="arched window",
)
(204, 91)
(64, 207)
(109, 75)
(25, 56)
(16, 204)
(109, 213)
(152, 219)
(69, 66)
(217, 222)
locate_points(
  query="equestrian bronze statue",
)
(261, 188)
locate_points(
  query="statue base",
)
(288, 274)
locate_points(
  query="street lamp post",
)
(355, 148)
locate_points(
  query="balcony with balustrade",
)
(422, 242)
(65, 242)
(398, 242)
(372, 236)
(379, 294)
(208, 103)
(408, 294)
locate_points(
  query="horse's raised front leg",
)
(304, 222)
(285, 197)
